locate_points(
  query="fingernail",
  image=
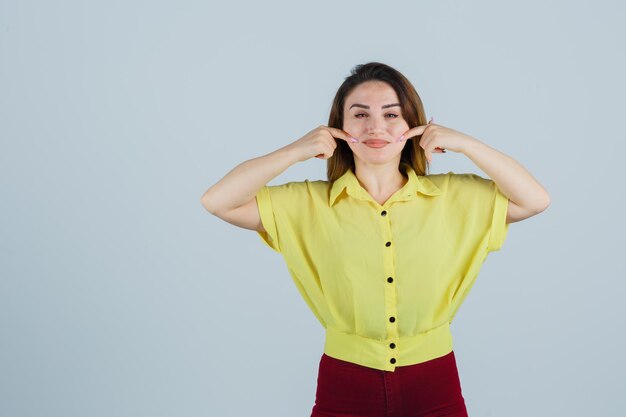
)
(353, 140)
(401, 138)
(431, 119)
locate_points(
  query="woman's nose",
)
(375, 126)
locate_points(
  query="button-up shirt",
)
(385, 281)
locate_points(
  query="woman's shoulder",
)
(302, 185)
(455, 181)
(301, 188)
(440, 180)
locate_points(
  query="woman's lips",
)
(376, 143)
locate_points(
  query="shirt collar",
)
(416, 183)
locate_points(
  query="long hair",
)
(410, 105)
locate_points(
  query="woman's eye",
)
(390, 114)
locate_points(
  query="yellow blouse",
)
(385, 281)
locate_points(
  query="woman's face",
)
(372, 111)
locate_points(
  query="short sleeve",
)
(499, 226)
(484, 205)
(280, 209)
(264, 202)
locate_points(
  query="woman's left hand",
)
(437, 138)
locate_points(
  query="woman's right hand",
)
(319, 142)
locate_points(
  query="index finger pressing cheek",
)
(340, 134)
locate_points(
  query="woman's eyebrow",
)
(367, 107)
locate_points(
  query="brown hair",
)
(410, 105)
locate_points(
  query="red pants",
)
(427, 389)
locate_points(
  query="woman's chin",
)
(377, 159)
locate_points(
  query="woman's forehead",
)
(369, 94)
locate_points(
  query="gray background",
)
(121, 296)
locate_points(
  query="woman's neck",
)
(381, 181)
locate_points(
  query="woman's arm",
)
(527, 197)
(242, 183)
(233, 197)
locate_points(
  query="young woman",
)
(382, 252)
